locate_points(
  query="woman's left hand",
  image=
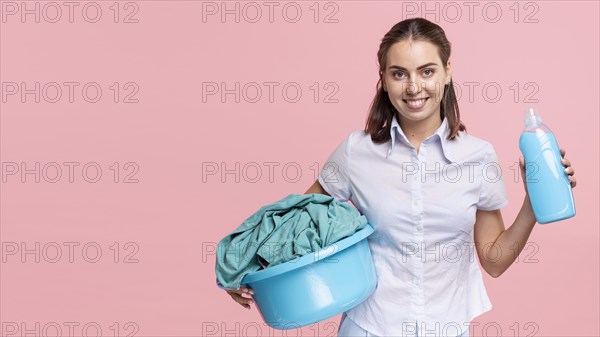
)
(568, 169)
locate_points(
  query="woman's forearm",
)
(512, 241)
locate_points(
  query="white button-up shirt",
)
(422, 207)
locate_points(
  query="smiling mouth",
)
(416, 103)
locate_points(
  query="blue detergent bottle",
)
(548, 185)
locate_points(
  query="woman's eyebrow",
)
(423, 66)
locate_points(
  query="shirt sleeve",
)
(493, 192)
(335, 174)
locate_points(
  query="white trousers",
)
(350, 329)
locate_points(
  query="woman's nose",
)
(412, 88)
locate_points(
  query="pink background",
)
(173, 219)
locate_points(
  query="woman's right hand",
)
(237, 296)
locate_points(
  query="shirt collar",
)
(441, 133)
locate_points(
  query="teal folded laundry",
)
(294, 226)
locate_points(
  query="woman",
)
(427, 188)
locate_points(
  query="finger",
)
(565, 162)
(240, 291)
(247, 290)
(563, 151)
(239, 297)
(244, 301)
(573, 181)
(236, 297)
(570, 171)
(237, 292)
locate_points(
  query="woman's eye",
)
(426, 72)
(398, 73)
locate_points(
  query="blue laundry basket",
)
(316, 286)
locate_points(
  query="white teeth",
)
(416, 103)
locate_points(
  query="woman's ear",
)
(448, 73)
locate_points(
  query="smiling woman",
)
(415, 82)
(422, 183)
(429, 81)
(410, 88)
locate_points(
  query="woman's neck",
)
(417, 131)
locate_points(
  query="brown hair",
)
(382, 110)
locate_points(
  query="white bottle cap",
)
(532, 118)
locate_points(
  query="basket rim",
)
(307, 259)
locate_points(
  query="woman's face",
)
(415, 79)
